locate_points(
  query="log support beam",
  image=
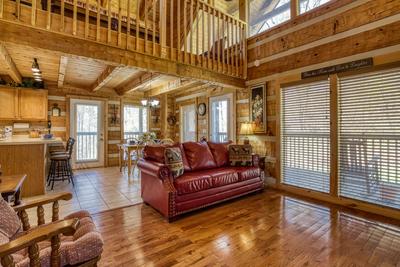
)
(61, 71)
(144, 79)
(9, 64)
(104, 78)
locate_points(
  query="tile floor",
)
(96, 190)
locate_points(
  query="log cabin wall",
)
(335, 33)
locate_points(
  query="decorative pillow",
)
(240, 155)
(199, 156)
(173, 159)
(157, 152)
(220, 152)
(9, 221)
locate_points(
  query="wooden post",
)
(184, 30)
(171, 28)
(244, 40)
(74, 17)
(197, 32)
(178, 22)
(119, 40)
(294, 8)
(33, 12)
(40, 215)
(1, 8)
(237, 41)
(109, 21)
(154, 26)
(191, 32)
(128, 23)
(223, 43)
(98, 21)
(18, 9)
(48, 25)
(62, 15)
(163, 26)
(244, 11)
(203, 13)
(145, 26)
(218, 39)
(278, 92)
(87, 19)
(137, 24)
(334, 178)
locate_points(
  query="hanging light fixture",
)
(153, 103)
(35, 66)
(144, 102)
(36, 73)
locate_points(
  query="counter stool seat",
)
(60, 167)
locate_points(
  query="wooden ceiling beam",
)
(9, 64)
(104, 78)
(137, 82)
(179, 84)
(61, 71)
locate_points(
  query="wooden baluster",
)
(154, 27)
(109, 20)
(203, 33)
(236, 49)
(178, 22)
(191, 32)
(197, 32)
(184, 30)
(25, 220)
(128, 23)
(171, 27)
(18, 9)
(1, 8)
(137, 24)
(223, 43)
(74, 17)
(98, 6)
(33, 12)
(244, 51)
(55, 256)
(240, 49)
(228, 44)
(87, 19)
(62, 11)
(33, 252)
(218, 41)
(40, 215)
(145, 26)
(7, 261)
(119, 40)
(55, 216)
(48, 25)
(209, 31)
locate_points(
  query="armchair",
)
(72, 241)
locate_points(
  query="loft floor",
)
(267, 229)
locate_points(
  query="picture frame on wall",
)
(258, 111)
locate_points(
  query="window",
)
(306, 5)
(265, 14)
(188, 125)
(305, 136)
(135, 121)
(369, 137)
(221, 118)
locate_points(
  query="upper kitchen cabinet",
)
(23, 104)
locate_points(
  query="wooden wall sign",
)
(353, 65)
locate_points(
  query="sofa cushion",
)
(193, 182)
(156, 153)
(173, 159)
(247, 173)
(9, 221)
(224, 176)
(240, 155)
(199, 156)
(220, 153)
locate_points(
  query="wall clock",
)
(201, 109)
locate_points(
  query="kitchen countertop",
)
(25, 140)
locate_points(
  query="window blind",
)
(369, 137)
(305, 139)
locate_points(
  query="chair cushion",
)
(202, 180)
(199, 156)
(9, 221)
(247, 173)
(220, 153)
(156, 153)
(173, 159)
(240, 155)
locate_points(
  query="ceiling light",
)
(144, 102)
(35, 66)
(37, 74)
(154, 102)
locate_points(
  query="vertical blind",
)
(369, 137)
(305, 135)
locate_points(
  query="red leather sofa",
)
(208, 179)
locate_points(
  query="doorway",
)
(87, 128)
(222, 116)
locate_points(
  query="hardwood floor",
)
(267, 229)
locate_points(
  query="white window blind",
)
(305, 139)
(369, 137)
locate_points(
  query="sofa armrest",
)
(154, 168)
(255, 158)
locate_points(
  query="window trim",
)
(181, 130)
(122, 113)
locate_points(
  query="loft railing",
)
(185, 31)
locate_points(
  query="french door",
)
(221, 118)
(86, 127)
(188, 123)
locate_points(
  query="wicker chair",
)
(72, 241)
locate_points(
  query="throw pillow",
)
(240, 155)
(173, 159)
(220, 152)
(9, 221)
(199, 156)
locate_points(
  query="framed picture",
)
(258, 111)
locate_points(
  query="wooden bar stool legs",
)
(60, 169)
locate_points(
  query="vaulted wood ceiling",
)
(92, 75)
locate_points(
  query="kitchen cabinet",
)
(23, 104)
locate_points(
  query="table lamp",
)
(246, 128)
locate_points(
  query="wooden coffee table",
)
(11, 186)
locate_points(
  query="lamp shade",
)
(246, 128)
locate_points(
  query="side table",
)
(11, 186)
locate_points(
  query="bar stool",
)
(63, 150)
(60, 166)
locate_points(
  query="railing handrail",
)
(229, 16)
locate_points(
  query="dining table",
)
(130, 153)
